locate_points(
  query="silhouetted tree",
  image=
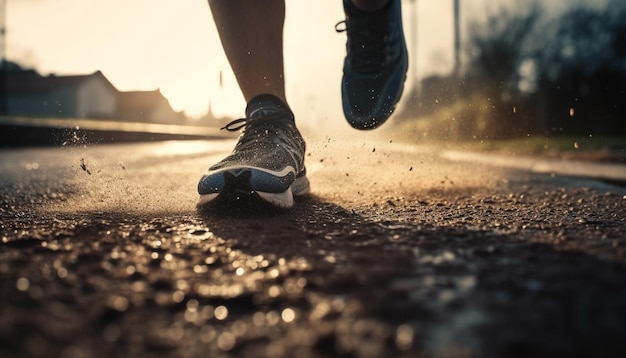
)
(486, 101)
(528, 73)
(582, 71)
(496, 50)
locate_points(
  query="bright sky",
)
(173, 45)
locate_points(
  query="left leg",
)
(376, 62)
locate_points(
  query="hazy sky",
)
(173, 45)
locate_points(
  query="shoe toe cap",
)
(210, 184)
(366, 110)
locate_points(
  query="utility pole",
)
(413, 94)
(3, 30)
(3, 60)
(457, 39)
(415, 41)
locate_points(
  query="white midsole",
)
(286, 171)
(300, 186)
(205, 198)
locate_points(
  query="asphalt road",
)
(400, 251)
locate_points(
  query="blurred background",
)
(479, 69)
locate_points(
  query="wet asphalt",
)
(400, 251)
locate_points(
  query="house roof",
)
(140, 101)
(30, 82)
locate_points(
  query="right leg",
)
(268, 161)
(252, 38)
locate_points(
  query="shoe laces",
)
(267, 119)
(367, 40)
(237, 124)
(262, 128)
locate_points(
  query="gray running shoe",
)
(267, 162)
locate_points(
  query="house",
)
(146, 106)
(82, 96)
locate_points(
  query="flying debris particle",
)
(514, 109)
(373, 150)
(83, 166)
(576, 145)
(411, 169)
(121, 165)
(571, 112)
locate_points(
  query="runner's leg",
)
(252, 38)
(268, 160)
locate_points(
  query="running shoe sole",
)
(275, 188)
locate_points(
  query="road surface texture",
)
(400, 251)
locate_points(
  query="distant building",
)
(83, 96)
(147, 106)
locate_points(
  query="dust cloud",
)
(348, 169)
(147, 179)
(375, 167)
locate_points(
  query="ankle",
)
(267, 103)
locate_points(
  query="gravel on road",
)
(398, 252)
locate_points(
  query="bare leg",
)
(252, 38)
